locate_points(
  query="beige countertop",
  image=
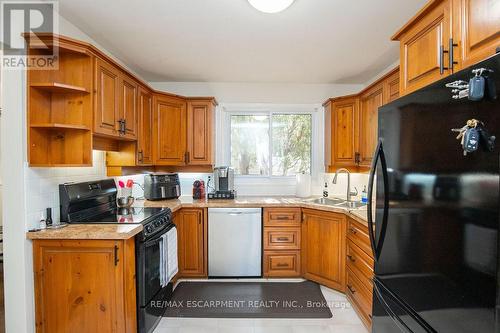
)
(117, 231)
(89, 231)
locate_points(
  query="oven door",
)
(148, 269)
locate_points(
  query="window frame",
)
(317, 135)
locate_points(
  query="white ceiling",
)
(314, 41)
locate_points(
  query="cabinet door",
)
(200, 132)
(106, 114)
(480, 29)
(323, 248)
(128, 106)
(344, 117)
(79, 286)
(421, 48)
(368, 124)
(145, 127)
(192, 237)
(169, 137)
(391, 87)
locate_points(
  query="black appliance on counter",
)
(436, 226)
(95, 202)
(162, 186)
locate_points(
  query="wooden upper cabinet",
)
(169, 130)
(128, 106)
(424, 47)
(391, 87)
(192, 230)
(200, 132)
(107, 97)
(351, 124)
(371, 100)
(341, 118)
(324, 248)
(116, 102)
(145, 127)
(480, 29)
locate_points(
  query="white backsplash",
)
(42, 186)
(358, 180)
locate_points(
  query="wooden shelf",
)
(56, 87)
(66, 165)
(61, 126)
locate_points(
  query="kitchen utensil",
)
(125, 202)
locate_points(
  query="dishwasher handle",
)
(235, 211)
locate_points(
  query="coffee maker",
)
(223, 183)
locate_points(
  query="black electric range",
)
(95, 202)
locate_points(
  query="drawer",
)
(286, 217)
(358, 233)
(360, 296)
(281, 264)
(360, 263)
(281, 238)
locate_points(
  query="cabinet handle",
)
(282, 239)
(353, 230)
(351, 258)
(442, 51)
(351, 289)
(451, 57)
(185, 157)
(116, 255)
(188, 157)
(357, 158)
(282, 265)
(140, 155)
(282, 217)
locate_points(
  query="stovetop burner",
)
(133, 215)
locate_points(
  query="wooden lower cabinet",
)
(192, 234)
(324, 247)
(85, 286)
(281, 263)
(359, 271)
(361, 298)
(282, 242)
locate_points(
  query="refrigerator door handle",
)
(418, 320)
(377, 246)
(401, 324)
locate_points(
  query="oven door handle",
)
(158, 236)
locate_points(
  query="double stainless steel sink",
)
(337, 203)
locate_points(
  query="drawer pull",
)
(282, 217)
(282, 265)
(282, 239)
(353, 230)
(351, 258)
(351, 289)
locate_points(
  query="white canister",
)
(303, 187)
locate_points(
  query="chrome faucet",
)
(349, 193)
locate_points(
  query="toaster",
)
(161, 186)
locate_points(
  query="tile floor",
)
(344, 320)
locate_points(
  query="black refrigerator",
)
(435, 221)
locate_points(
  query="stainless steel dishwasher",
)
(234, 242)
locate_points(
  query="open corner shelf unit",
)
(60, 108)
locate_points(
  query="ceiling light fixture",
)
(271, 6)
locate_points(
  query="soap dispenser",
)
(325, 191)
